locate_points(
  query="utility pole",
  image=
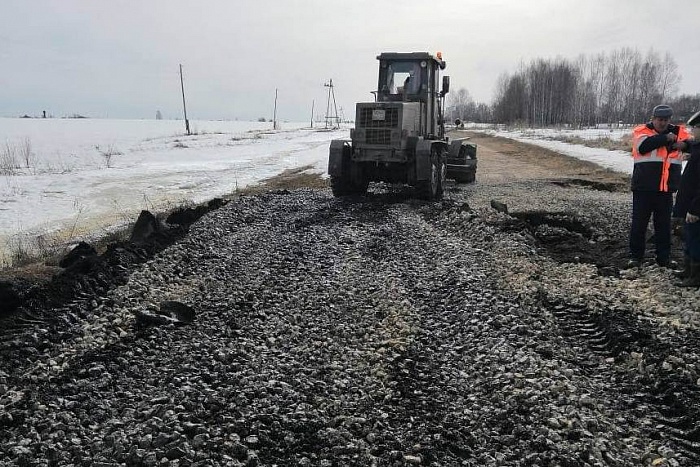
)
(331, 93)
(274, 116)
(313, 101)
(184, 107)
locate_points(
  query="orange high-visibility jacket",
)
(659, 169)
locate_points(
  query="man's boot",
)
(694, 279)
(667, 263)
(685, 272)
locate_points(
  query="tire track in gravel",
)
(616, 333)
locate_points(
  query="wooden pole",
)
(184, 107)
(313, 101)
(274, 116)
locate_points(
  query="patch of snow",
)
(88, 174)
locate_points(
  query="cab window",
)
(403, 78)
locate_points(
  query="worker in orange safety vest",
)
(657, 149)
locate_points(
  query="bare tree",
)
(684, 106)
(483, 113)
(512, 104)
(459, 102)
(669, 79)
(622, 86)
(648, 86)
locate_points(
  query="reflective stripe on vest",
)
(662, 154)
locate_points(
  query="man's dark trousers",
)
(691, 240)
(644, 204)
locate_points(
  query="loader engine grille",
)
(391, 118)
(378, 136)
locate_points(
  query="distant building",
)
(159, 116)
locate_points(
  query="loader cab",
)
(409, 77)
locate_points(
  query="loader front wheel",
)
(340, 186)
(354, 182)
(467, 177)
(442, 174)
(430, 189)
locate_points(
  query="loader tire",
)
(469, 177)
(430, 189)
(442, 174)
(353, 183)
(340, 186)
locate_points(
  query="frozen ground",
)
(65, 178)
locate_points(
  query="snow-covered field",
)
(64, 178)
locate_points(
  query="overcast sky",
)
(120, 58)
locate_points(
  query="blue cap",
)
(662, 111)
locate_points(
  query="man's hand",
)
(677, 226)
(671, 138)
(691, 218)
(679, 146)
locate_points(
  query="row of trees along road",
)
(622, 86)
